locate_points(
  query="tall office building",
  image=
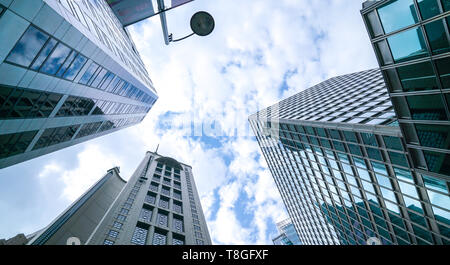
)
(288, 235)
(69, 72)
(343, 168)
(412, 44)
(159, 205)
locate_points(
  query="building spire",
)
(156, 151)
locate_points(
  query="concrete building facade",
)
(69, 72)
(159, 205)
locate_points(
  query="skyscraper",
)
(288, 234)
(343, 168)
(412, 44)
(159, 205)
(69, 72)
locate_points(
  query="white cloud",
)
(92, 165)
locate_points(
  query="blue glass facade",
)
(64, 82)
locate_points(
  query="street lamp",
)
(202, 24)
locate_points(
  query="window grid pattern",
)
(320, 181)
(418, 74)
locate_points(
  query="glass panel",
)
(393, 142)
(350, 136)
(443, 67)
(398, 159)
(66, 63)
(437, 162)
(417, 77)
(56, 59)
(369, 139)
(89, 73)
(44, 53)
(434, 135)
(374, 154)
(435, 184)
(428, 8)
(427, 107)
(407, 45)
(27, 47)
(446, 5)
(437, 37)
(439, 199)
(397, 14)
(76, 66)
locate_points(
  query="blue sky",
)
(259, 53)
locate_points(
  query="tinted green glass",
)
(434, 135)
(435, 184)
(443, 67)
(428, 8)
(437, 37)
(446, 5)
(354, 149)
(369, 139)
(350, 136)
(374, 154)
(437, 162)
(417, 77)
(398, 159)
(427, 107)
(407, 45)
(397, 14)
(393, 143)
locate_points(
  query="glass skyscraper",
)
(412, 44)
(343, 169)
(288, 234)
(159, 205)
(69, 72)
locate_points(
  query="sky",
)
(259, 53)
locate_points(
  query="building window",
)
(177, 241)
(159, 239)
(429, 8)
(437, 37)
(28, 47)
(162, 219)
(178, 225)
(397, 14)
(117, 225)
(198, 234)
(150, 199)
(113, 233)
(200, 242)
(56, 59)
(108, 242)
(146, 215)
(121, 217)
(415, 49)
(139, 236)
(124, 211)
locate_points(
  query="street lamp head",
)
(202, 23)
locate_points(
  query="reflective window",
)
(397, 14)
(139, 236)
(374, 24)
(374, 153)
(56, 59)
(66, 63)
(393, 142)
(51, 43)
(446, 5)
(388, 194)
(75, 67)
(398, 159)
(350, 136)
(89, 73)
(407, 45)
(15, 143)
(426, 107)
(428, 8)
(27, 47)
(369, 139)
(434, 135)
(443, 67)
(437, 37)
(437, 162)
(417, 77)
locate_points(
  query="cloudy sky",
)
(260, 52)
